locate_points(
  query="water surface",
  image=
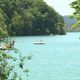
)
(57, 59)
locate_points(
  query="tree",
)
(76, 5)
(9, 62)
(3, 30)
(30, 17)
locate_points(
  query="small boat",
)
(39, 42)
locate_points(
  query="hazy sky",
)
(61, 6)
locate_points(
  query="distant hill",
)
(69, 22)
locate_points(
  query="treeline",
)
(29, 17)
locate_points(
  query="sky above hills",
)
(61, 6)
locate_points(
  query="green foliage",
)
(9, 62)
(76, 5)
(3, 31)
(30, 17)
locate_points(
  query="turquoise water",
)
(57, 59)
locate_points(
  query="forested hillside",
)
(29, 17)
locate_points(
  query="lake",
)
(57, 59)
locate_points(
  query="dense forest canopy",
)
(29, 17)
